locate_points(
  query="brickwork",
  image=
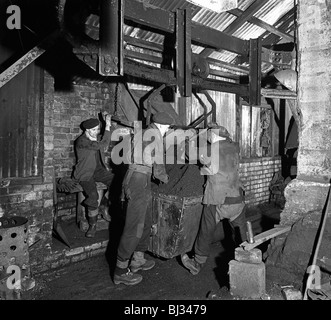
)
(256, 174)
(33, 198)
(64, 257)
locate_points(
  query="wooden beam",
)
(282, 23)
(260, 23)
(278, 94)
(28, 58)
(224, 74)
(160, 48)
(229, 66)
(144, 44)
(143, 71)
(151, 16)
(265, 236)
(255, 72)
(248, 13)
(143, 56)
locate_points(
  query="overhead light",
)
(287, 78)
(216, 5)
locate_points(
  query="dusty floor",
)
(168, 280)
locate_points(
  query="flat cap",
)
(90, 123)
(219, 130)
(162, 118)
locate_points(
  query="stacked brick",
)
(256, 175)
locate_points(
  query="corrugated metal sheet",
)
(272, 11)
(20, 124)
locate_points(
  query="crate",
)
(175, 224)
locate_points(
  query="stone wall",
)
(306, 195)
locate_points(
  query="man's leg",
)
(106, 177)
(203, 240)
(238, 225)
(133, 228)
(138, 261)
(91, 202)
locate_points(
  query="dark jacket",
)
(86, 152)
(148, 156)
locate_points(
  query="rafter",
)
(257, 5)
(283, 25)
(153, 17)
(260, 23)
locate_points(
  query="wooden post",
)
(255, 71)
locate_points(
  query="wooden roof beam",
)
(153, 17)
(149, 73)
(283, 25)
(28, 58)
(260, 23)
(257, 5)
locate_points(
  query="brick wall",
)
(256, 174)
(33, 197)
(64, 111)
(67, 110)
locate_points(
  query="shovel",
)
(57, 229)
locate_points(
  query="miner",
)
(91, 167)
(146, 162)
(223, 195)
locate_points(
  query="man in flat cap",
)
(90, 167)
(223, 195)
(147, 164)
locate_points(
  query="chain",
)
(116, 99)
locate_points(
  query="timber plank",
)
(264, 236)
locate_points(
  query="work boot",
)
(191, 264)
(125, 276)
(92, 229)
(105, 212)
(138, 262)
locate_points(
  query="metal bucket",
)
(175, 224)
(14, 256)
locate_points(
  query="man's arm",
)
(97, 145)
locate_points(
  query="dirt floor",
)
(168, 280)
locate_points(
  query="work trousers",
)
(138, 220)
(101, 174)
(208, 226)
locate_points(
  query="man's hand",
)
(108, 121)
(164, 178)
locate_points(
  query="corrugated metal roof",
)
(270, 13)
